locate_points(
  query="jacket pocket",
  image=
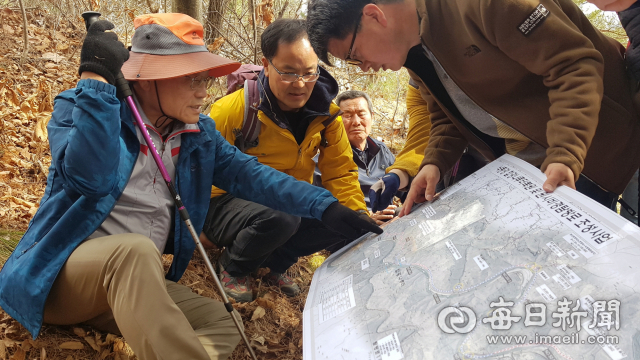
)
(312, 148)
(617, 117)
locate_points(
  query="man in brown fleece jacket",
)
(532, 78)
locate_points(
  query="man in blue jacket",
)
(92, 252)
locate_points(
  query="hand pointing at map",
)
(423, 187)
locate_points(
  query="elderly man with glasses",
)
(298, 120)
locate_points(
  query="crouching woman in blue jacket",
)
(92, 252)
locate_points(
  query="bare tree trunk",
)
(283, 9)
(25, 52)
(297, 12)
(153, 7)
(252, 8)
(214, 19)
(189, 7)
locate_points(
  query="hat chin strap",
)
(162, 119)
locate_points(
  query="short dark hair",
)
(355, 94)
(331, 19)
(281, 31)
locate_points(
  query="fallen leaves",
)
(258, 313)
(71, 345)
(267, 301)
(18, 202)
(19, 354)
(40, 131)
(79, 332)
(26, 104)
(26, 345)
(92, 342)
(111, 347)
(131, 13)
(264, 12)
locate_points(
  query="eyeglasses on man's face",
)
(290, 77)
(199, 81)
(349, 59)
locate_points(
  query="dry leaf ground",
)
(273, 322)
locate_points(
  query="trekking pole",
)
(123, 86)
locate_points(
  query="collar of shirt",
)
(362, 154)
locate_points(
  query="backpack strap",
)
(326, 123)
(247, 137)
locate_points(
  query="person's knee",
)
(140, 244)
(138, 248)
(287, 224)
(219, 334)
(283, 224)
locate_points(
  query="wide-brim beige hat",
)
(166, 46)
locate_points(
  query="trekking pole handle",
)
(89, 18)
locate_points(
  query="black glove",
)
(102, 53)
(382, 192)
(347, 222)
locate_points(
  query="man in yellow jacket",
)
(295, 99)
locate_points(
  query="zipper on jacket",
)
(299, 147)
(27, 249)
(438, 101)
(448, 74)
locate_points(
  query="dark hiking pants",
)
(257, 236)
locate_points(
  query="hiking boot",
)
(237, 287)
(284, 282)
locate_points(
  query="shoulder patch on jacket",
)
(536, 18)
(471, 51)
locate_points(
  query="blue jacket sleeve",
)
(84, 136)
(244, 177)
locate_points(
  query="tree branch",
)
(25, 52)
(255, 31)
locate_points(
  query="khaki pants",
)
(116, 284)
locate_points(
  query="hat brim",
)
(141, 66)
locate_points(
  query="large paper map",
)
(495, 268)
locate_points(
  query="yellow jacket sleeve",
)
(227, 113)
(410, 157)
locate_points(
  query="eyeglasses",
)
(348, 59)
(289, 77)
(198, 81)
